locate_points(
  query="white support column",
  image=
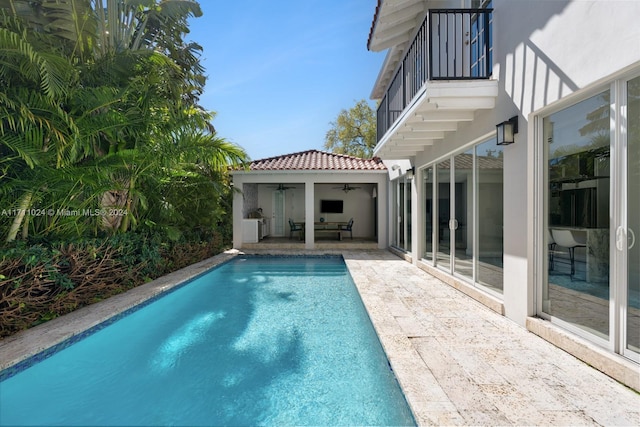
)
(238, 206)
(383, 212)
(417, 221)
(309, 196)
(517, 293)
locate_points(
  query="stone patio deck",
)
(461, 363)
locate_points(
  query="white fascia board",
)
(462, 88)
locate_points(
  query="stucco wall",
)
(561, 46)
(544, 52)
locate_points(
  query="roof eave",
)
(392, 29)
(384, 75)
(392, 23)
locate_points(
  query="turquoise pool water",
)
(256, 341)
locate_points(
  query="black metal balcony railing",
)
(451, 44)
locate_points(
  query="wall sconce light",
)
(411, 172)
(507, 130)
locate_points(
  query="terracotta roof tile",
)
(316, 160)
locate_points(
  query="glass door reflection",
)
(577, 143)
(427, 175)
(443, 215)
(462, 223)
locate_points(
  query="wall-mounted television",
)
(331, 206)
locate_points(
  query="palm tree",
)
(108, 100)
(34, 130)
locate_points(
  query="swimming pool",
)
(256, 341)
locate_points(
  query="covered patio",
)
(311, 200)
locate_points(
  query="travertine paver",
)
(460, 363)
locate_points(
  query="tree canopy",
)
(353, 132)
(99, 113)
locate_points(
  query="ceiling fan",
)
(281, 187)
(346, 188)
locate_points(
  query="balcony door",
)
(481, 40)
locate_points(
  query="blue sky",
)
(280, 71)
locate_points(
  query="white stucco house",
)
(521, 120)
(320, 193)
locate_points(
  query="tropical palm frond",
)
(222, 154)
(17, 147)
(49, 71)
(169, 17)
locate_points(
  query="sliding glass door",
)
(443, 215)
(592, 204)
(490, 215)
(578, 175)
(427, 191)
(401, 230)
(463, 213)
(462, 221)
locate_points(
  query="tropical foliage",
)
(111, 173)
(353, 132)
(100, 127)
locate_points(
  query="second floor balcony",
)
(450, 45)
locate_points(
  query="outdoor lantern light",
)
(507, 130)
